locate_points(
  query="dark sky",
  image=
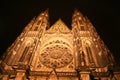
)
(104, 15)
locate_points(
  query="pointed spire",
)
(77, 13)
(43, 14)
(42, 21)
(78, 20)
(47, 10)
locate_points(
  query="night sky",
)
(104, 15)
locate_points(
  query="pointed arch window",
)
(25, 52)
(89, 52)
(82, 59)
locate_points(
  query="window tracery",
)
(56, 56)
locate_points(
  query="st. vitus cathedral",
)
(42, 52)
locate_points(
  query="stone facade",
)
(42, 52)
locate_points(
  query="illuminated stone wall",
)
(58, 53)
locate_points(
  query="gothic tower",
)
(42, 52)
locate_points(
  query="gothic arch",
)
(26, 49)
(60, 40)
(17, 54)
(89, 52)
(28, 42)
(93, 55)
(86, 41)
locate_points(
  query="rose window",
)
(56, 56)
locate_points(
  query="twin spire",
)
(45, 14)
(42, 21)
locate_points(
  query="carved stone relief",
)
(56, 56)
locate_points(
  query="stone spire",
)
(35, 28)
(58, 52)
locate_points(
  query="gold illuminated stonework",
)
(42, 52)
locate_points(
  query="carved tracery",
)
(56, 56)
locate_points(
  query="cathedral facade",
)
(42, 52)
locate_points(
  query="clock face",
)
(56, 56)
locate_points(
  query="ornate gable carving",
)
(60, 27)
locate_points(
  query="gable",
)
(59, 26)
